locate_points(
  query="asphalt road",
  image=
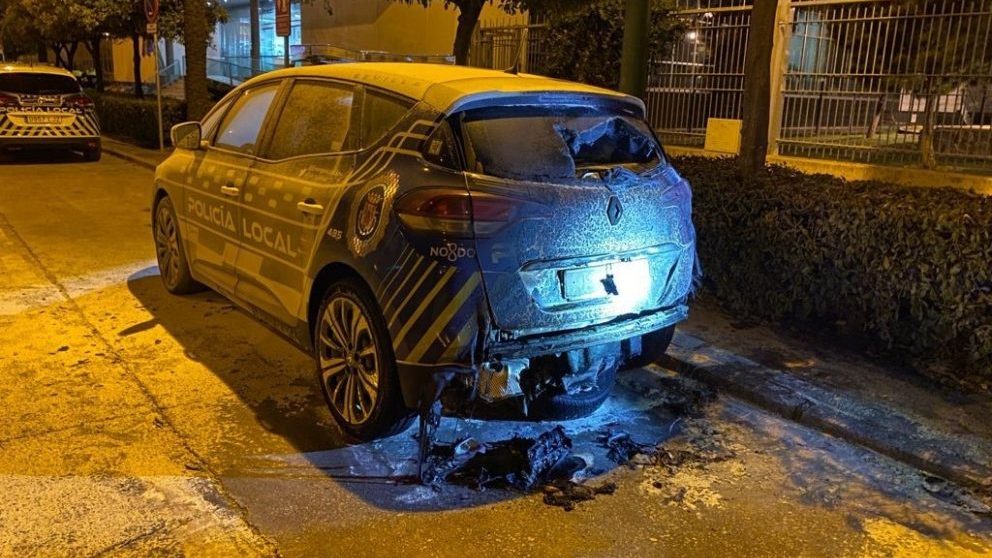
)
(133, 422)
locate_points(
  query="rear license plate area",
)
(603, 280)
(44, 119)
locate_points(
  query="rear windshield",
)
(37, 84)
(542, 143)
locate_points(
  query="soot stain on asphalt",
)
(550, 463)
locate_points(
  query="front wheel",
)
(356, 367)
(172, 263)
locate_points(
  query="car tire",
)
(653, 345)
(355, 364)
(169, 250)
(92, 154)
(567, 406)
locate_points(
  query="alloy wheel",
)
(348, 360)
(167, 245)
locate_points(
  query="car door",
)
(292, 189)
(213, 196)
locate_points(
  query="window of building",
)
(240, 128)
(315, 119)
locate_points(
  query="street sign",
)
(283, 25)
(151, 12)
(151, 28)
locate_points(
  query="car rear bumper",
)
(66, 142)
(416, 378)
(618, 329)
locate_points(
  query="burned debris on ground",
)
(547, 464)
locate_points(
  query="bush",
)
(905, 270)
(124, 115)
(586, 44)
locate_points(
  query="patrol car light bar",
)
(454, 212)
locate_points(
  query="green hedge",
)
(124, 115)
(904, 270)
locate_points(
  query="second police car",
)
(44, 106)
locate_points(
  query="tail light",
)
(8, 100)
(79, 101)
(454, 212)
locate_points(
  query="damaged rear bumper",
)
(618, 329)
(415, 376)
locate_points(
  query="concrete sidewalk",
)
(148, 158)
(893, 412)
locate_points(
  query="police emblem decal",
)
(369, 215)
(369, 212)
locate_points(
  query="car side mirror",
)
(187, 135)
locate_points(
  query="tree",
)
(470, 10)
(933, 63)
(195, 36)
(756, 99)
(572, 55)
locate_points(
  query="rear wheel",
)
(92, 154)
(653, 345)
(581, 402)
(356, 367)
(172, 263)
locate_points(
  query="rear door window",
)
(31, 83)
(316, 118)
(548, 142)
(380, 114)
(240, 128)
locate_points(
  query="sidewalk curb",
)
(114, 147)
(966, 461)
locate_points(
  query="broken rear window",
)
(556, 143)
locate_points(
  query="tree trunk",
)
(256, 38)
(468, 16)
(634, 62)
(58, 49)
(928, 152)
(70, 55)
(139, 90)
(93, 46)
(42, 52)
(195, 33)
(757, 87)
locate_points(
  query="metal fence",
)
(861, 80)
(864, 79)
(501, 44)
(703, 77)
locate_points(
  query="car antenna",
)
(515, 68)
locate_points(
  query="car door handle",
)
(310, 207)
(229, 191)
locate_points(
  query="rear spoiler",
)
(623, 103)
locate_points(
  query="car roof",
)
(444, 86)
(34, 69)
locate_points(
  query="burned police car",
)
(430, 231)
(43, 106)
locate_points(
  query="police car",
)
(43, 106)
(428, 230)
